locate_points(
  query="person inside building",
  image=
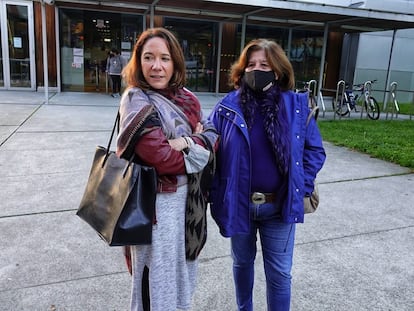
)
(175, 139)
(114, 66)
(267, 162)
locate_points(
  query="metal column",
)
(322, 66)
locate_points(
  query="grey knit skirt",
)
(172, 279)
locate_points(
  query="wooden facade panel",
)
(51, 44)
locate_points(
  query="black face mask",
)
(259, 80)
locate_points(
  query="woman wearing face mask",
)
(267, 162)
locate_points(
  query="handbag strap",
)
(311, 114)
(116, 126)
(111, 137)
(118, 117)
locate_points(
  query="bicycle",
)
(349, 101)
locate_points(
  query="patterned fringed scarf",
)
(178, 113)
(275, 121)
(187, 103)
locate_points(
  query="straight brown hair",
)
(132, 73)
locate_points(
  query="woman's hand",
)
(199, 128)
(178, 144)
(181, 143)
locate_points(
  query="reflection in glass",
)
(305, 55)
(198, 41)
(305, 50)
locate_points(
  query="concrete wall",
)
(373, 59)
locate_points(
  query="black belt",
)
(261, 198)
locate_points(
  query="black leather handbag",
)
(119, 198)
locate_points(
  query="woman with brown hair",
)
(162, 124)
(267, 162)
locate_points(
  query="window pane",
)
(18, 36)
(198, 41)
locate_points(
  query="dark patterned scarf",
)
(186, 102)
(270, 105)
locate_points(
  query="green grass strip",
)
(389, 140)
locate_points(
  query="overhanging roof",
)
(277, 13)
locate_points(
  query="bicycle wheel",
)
(372, 108)
(340, 110)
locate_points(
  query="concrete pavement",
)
(355, 253)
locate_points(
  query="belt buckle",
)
(258, 198)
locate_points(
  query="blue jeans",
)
(277, 240)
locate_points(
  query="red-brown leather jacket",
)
(154, 150)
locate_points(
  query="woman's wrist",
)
(187, 140)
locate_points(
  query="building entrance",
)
(86, 39)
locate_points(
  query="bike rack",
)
(312, 84)
(312, 91)
(340, 91)
(322, 104)
(367, 94)
(312, 87)
(395, 108)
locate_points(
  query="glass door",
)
(104, 32)
(1, 56)
(17, 45)
(86, 39)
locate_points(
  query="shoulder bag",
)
(119, 198)
(310, 204)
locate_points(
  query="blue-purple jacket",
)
(230, 194)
